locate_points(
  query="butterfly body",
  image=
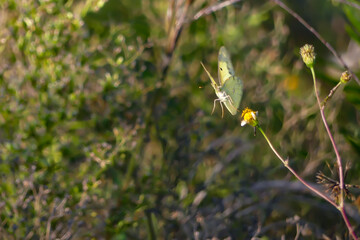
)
(230, 88)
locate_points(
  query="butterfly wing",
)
(229, 83)
(233, 87)
(225, 67)
(213, 83)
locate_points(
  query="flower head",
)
(249, 117)
(308, 54)
(345, 77)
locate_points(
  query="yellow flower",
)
(249, 117)
(307, 53)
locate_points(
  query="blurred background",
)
(106, 129)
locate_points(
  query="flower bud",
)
(345, 77)
(308, 55)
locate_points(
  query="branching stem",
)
(332, 91)
(286, 164)
(338, 157)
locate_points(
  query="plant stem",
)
(286, 164)
(338, 157)
(340, 207)
(332, 91)
(213, 8)
(347, 222)
(150, 225)
(317, 35)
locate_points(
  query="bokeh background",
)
(106, 129)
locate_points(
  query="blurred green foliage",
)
(105, 133)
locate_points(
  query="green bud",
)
(345, 77)
(308, 54)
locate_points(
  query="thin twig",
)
(286, 164)
(332, 91)
(213, 8)
(311, 29)
(347, 222)
(352, 4)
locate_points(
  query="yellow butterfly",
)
(230, 88)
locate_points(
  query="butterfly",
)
(230, 88)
